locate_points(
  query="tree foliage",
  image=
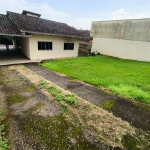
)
(2, 39)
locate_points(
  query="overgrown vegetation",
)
(89, 116)
(57, 93)
(127, 78)
(3, 141)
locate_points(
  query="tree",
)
(2, 39)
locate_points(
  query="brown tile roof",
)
(38, 25)
(7, 27)
(84, 33)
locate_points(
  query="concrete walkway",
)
(12, 56)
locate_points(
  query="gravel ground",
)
(125, 109)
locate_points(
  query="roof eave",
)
(7, 34)
(50, 34)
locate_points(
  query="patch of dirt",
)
(125, 109)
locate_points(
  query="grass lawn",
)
(127, 78)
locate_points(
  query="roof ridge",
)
(38, 18)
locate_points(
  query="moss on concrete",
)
(30, 88)
(54, 132)
(34, 108)
(16, 99)
(108, 104)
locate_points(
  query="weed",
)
(70, 99)
(59, 97)
(105, 131)
(52, 88)
(64, 108)
(53, 93)
(95, 117)
(21, 78)
(3, 141)
(6, 81)
(42, 84)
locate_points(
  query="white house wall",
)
(57, 47)
(126, 49)
(25, 47)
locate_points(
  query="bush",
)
(93, 54)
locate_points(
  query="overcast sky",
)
(80, 13)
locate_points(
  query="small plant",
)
(6, 81)
(70, 99)
(3, 141)
(105, 131)
(64, 108)
(43, 84)
(59, 97)
(50, 88)
(53, 93)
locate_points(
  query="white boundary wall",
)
(126, 49)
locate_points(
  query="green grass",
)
(127, 78)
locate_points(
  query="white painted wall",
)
(57, 48)
(126, 49)
(25, 47)
(15, 42)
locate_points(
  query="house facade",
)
(40, 38)
(127, 39)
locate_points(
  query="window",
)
(44, 45)
(68, 46)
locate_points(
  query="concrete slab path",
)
(12, 56)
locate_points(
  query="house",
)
(40, 38)
(127, 39)
(85, 34)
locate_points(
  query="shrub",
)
(93, 54)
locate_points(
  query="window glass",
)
(44, 45)
(68, 46)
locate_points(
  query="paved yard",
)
(12, 56)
